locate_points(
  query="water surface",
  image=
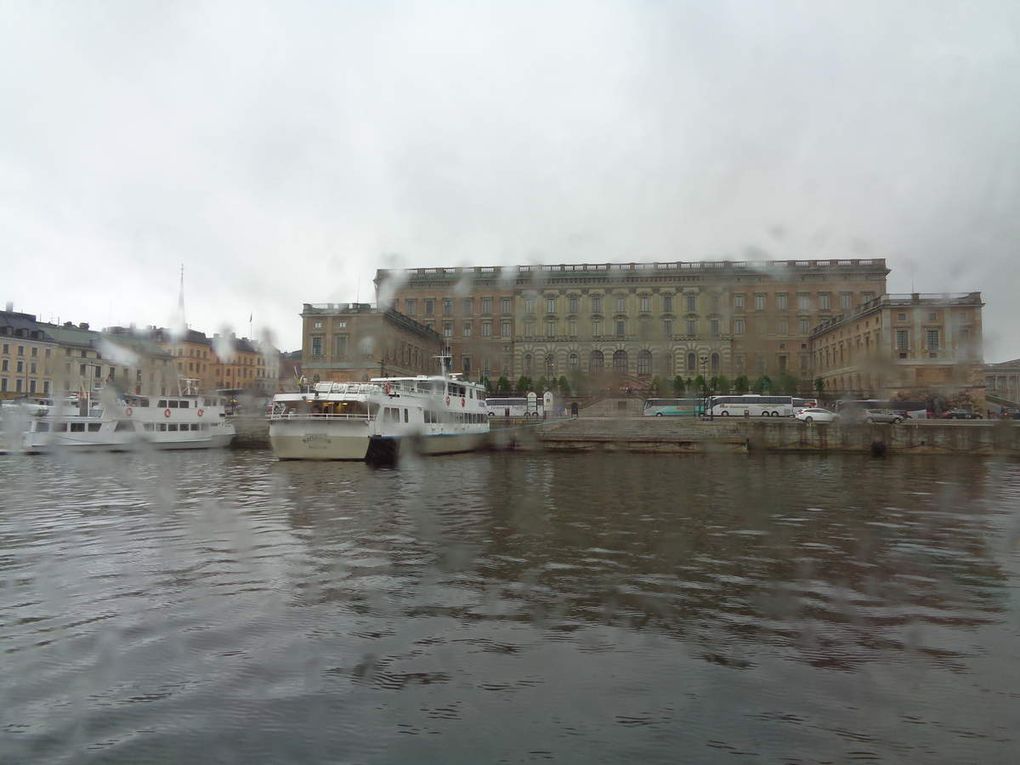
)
(225, 607)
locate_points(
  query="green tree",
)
(700, 384)
(741, 385)
(564, 386)
(819, 386)
(523, 384)
(762, 385)
(786, 384)
(502, 384)
(655, 387)
(723, 384)
(543, 385)
(679, 387)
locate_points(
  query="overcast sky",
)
(283, 151)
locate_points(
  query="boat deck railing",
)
(316, 416)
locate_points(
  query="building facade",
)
(912, 345)
(1002, 382)
(27, 356)
(635, 320)
(354, 342)
(246, 364)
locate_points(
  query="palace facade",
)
(638, 320)
(906, 345)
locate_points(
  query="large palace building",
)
(637, 319)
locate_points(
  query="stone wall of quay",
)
(681, 435)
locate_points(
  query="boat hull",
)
(127, 442)
(319, 441)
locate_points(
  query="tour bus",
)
(914, 410)
(754, 405)
(530, 406)
(674, 407)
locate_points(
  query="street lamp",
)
(704, 382)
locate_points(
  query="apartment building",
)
(903, 344)
(27, 356)
(633, 319)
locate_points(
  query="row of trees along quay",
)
(583, 385)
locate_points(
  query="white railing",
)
(316, 416)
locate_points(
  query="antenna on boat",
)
(180, 301)
(445, 363)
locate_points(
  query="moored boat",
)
(436, 414)
(185, 421)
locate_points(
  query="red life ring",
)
(127, 412)
(388, 389)
(447, 400)
(166, 412)
(201, 412)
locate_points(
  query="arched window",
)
(620, 362)
(573, 362)
(644, 363)
(598, 362)
(550, 365)
(715, 363)
(692, 362)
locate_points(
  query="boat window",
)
(144, 402)
(172, 427)
(60, 427)
(149, 426)
(42, 427)
(77, 427)
(173, 404)
(162, 403)
(185, 404)
(94, 427)
(162, 427)
(123, 425)
(405, 415)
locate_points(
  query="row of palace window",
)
(573, 304)
(620, 363)
(5, 386)
(842, 353)
(33, 351)
(619, 328)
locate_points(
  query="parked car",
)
(882, 415)
(816, 415)
(960, 414)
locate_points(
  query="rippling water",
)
(224, 607)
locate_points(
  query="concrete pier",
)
(684, 435)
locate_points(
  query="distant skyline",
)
(284, 151)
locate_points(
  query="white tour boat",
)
(437, 414)
(185, 421)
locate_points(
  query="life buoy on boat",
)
(127, 411)
(200, 412)
(166, 412)
(388, 388)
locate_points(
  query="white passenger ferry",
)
(185, 421)
(357, 421)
